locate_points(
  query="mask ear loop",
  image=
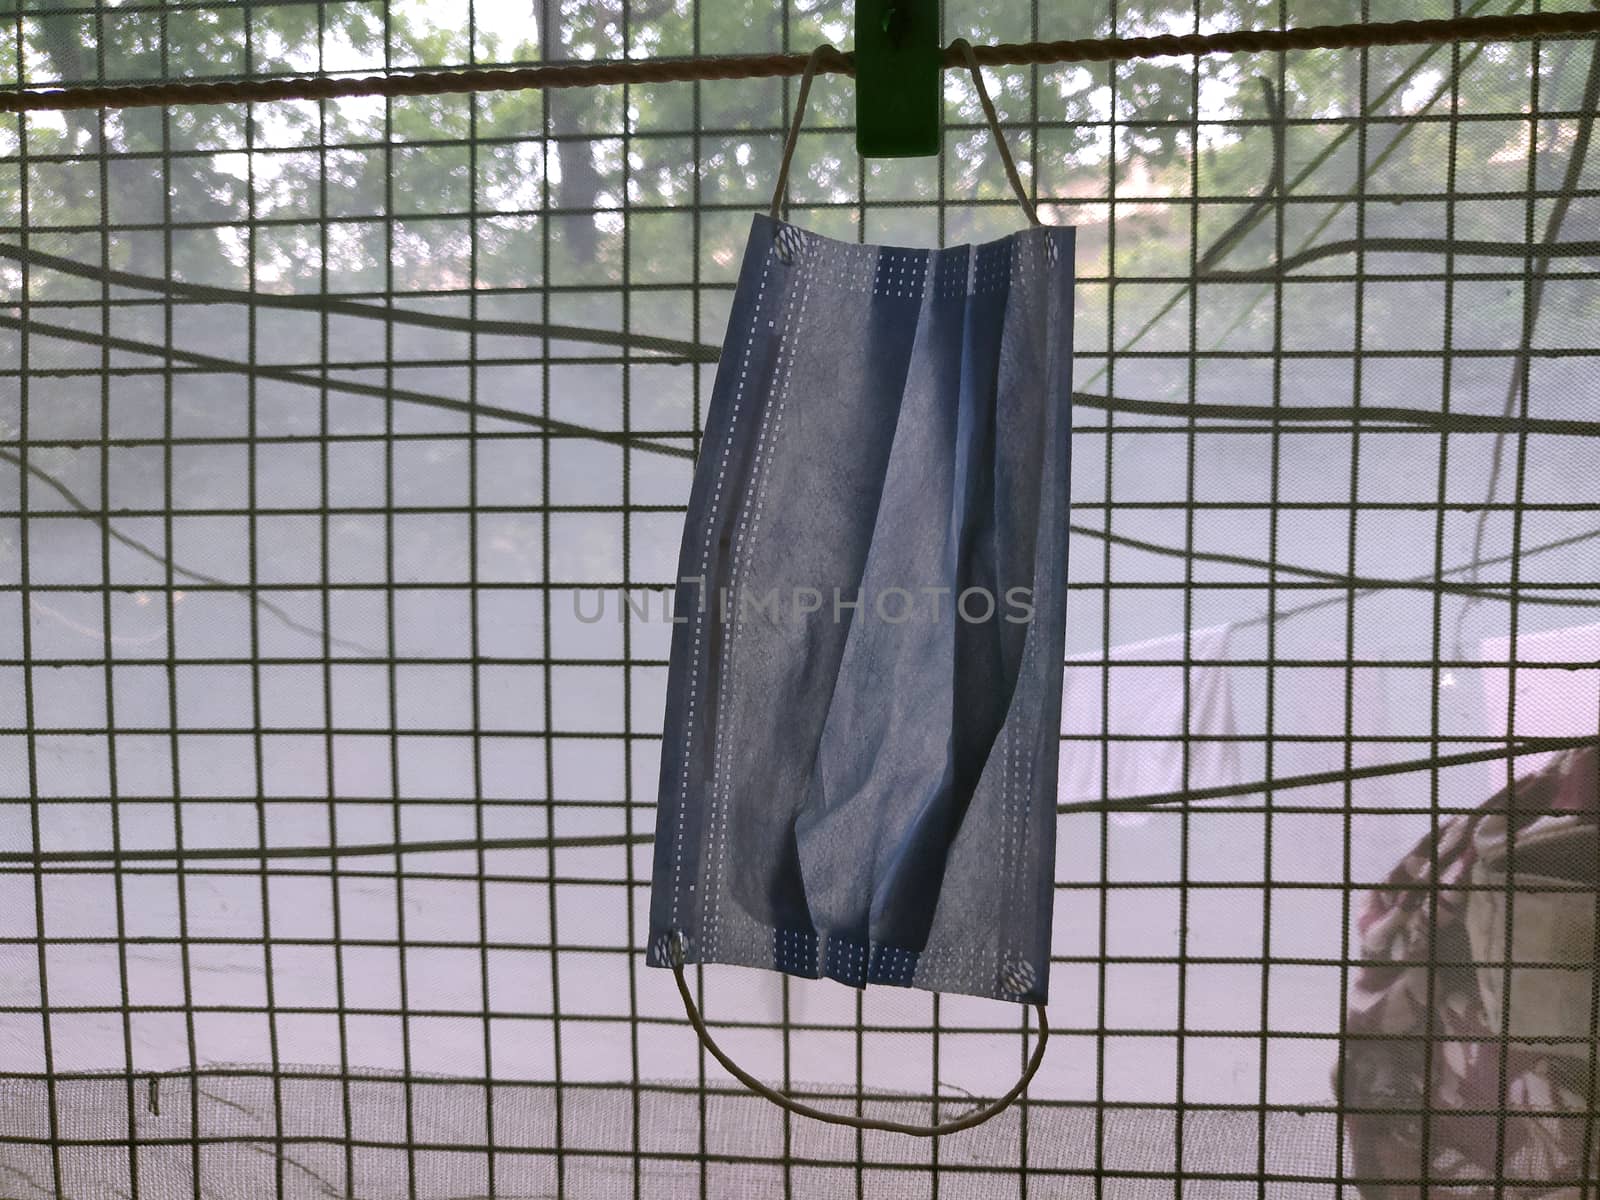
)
(805, 1110)
(964, 48)
(812, 63)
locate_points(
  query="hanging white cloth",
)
(1124, 735)
(1562, 700)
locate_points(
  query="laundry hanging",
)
(1493, 1085)
(1181, 719)
(860, 748)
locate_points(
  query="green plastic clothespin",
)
(897, 78)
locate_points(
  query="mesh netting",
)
(326, 430)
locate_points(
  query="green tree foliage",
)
(513, 191)
(413, 158)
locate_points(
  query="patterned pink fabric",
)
(1545, 1094)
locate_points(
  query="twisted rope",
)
(761, 66)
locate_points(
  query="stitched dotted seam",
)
(699, 617)
(743, 542)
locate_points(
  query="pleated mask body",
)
(859, 765)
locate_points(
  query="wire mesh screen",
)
(344, 449)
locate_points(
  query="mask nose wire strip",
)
(805, 1110)
(965, 49)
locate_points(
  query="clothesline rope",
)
(1358, 35)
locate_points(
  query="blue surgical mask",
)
(858, 775)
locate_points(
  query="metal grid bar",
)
(543, 876)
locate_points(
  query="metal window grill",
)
(325, 427)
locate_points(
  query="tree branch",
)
(100, 518)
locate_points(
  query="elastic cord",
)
(965, 48)
(782, 184)
(961, 46)
(799, 1108)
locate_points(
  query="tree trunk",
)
(580, 184)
